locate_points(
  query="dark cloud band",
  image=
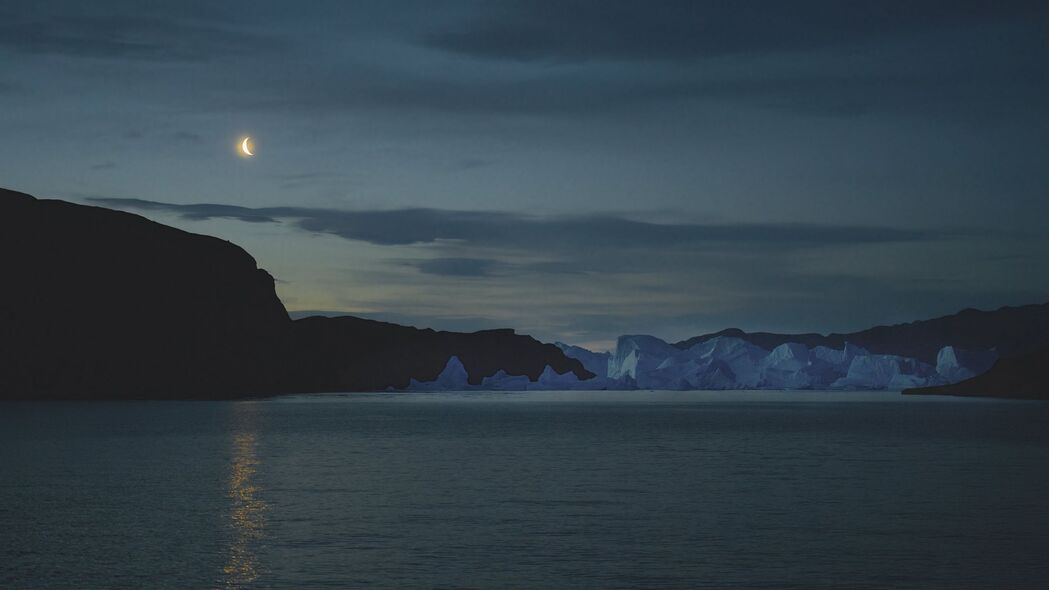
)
(674, 30)
(517, 231)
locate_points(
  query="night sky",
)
(575, 170)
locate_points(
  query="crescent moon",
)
(244, 146)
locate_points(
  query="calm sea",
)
(531, 490)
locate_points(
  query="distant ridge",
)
(1010, 330)
(374, 355)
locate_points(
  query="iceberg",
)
(452, 378)
(839, 358)
(501, 381)
(637, 356)
(550, 379)
(787, 357)
(956, 365)
(887, 371)
(719, 363)
(726, 362)
(727, 356)
(793, 366)
(595, 362)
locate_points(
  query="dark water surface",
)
(540, 490)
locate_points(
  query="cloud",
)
(910, 74)
(675, 30)
(643, 260)
(514, 231)
(457, 267)
(347, 88)
(472, 163)
(192, 212)
(187, 136)
(297, 180)
(583, 59)
(489, 267)
(129, 37)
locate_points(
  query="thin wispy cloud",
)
(135, 37)
(518, 231)
(677, 30)
(457, 267)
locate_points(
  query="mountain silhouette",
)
(104, 304)
(334, 353)
(1011, 331)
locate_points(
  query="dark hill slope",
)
(1012, 330)
(102, 304)
(1020, 377)
(348, 353)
